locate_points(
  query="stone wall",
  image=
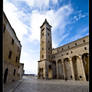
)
(11, 53)
(69, 51)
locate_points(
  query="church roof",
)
(45, 22)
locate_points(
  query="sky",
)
(69, 20)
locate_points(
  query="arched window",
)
(10, 54)
(75, 43)
(83, 40)
(12, 41)
(85, 48)
(42, 56)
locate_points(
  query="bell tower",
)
(45, 41)
(45, 49)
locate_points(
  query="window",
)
(12, 41)
(83, 40)
(42, 48)
(71, 77)
(48, 29)
(75, 58)
(14, 72)
(16, 59)
(75, 43)
(10, 54)
(85, 48)
(62, 54)
(80, 76)
(42, 42)
(49, 66)
(42, 56)
(4, 28)
(48, 48)
(42, 29)
(66, 53)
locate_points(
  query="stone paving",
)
(31, 84)
(10, 87)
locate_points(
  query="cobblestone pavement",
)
(10, 87)
(30, 84)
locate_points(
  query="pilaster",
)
(82, 68)
(72, 71)
(57, 69)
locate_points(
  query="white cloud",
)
(36, 3)
(37, 18)
(54, 1)
(12, 14)
(57, 19)
(79, 16)
(53, 17)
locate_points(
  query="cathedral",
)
(67, 62)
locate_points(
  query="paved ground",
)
(10, 87)
(31, 84)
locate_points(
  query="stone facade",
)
(11, 53)
(69, 62)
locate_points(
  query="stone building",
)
(11, 53)
(67, 62)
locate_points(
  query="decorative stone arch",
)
(5, 75)
(67, 69)
(54, 69)
(85, 60)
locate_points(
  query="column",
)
(82, 68)
(62, 69)
(57, 69)
(72, 71)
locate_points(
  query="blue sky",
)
(69, 20)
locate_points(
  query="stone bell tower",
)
(45, 41)
(45, 49)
